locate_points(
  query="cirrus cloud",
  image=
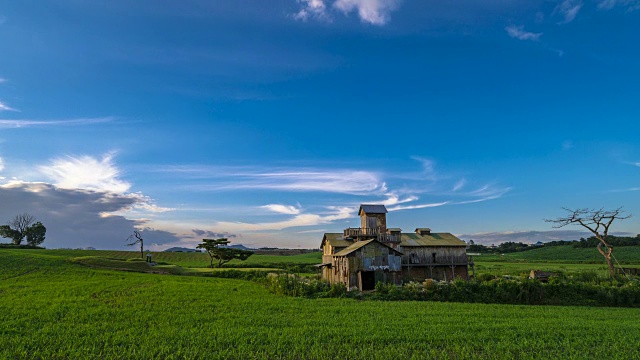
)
(518, 32)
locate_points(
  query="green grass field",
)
(567, 254)
(52, 308)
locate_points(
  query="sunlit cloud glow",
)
(86, 172)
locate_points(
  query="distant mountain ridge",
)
(180, 249)
(184, 249)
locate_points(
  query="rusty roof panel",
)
(336, 240)
(359, 244)
(433, 239)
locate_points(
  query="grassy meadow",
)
(54, 308)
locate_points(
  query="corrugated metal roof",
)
(372, 209)
(359, 244)
(335, 240)
(433, 239)
(407, 239)
(353, 247)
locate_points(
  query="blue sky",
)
(270, 122)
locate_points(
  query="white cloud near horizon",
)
(11, 124)
(518, 32)
(1, 163)
(86, 172)
(569, 10)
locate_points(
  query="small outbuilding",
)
(364, 263)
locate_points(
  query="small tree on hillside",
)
(35, 234)
(23, 226)
(598, 222)
(136, 238)
(216, 248)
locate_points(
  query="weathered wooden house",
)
(360, 257)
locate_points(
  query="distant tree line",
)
(505, 247)
(590, 242)
(593, 241)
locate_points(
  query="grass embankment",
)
(193, 259)
(51, 308)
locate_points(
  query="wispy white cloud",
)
(2, 80)
(309, 219)
(569, 10)
(342, 181)
(282, 209)
(86, 172)
(41, 123)
(374, 12)
(5, 107)
(418, 188)
(312, 9)
(631, 5)
(459, 185)
(417, 206)
(1, 164)
(143, 204)
(518, 32)
(395, 199)
(489, 191)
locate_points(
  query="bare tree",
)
(22, 222)
(136, 238)
(598, 222)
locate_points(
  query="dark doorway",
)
(367, 280)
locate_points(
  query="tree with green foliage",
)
(217, 249)
(21, 226)
(598, 222)
(35, 234)
(7, 232)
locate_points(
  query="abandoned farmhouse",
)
(360, 257)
